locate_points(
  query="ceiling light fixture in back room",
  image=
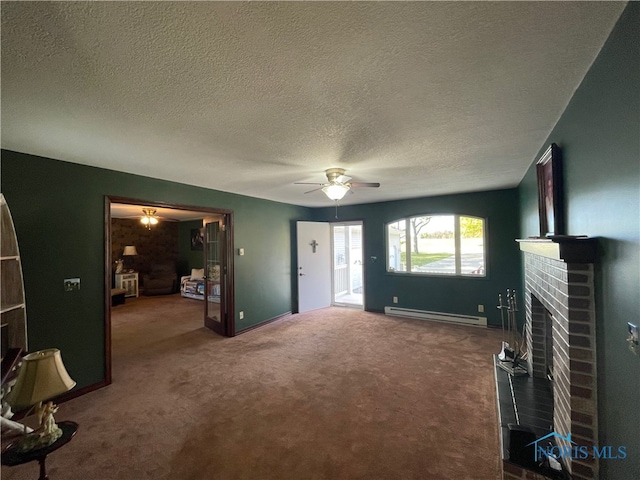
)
(150, 217)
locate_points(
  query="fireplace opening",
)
(541, 342)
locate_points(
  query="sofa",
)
(162, 279)
(193, 286)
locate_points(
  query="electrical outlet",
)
(395, 299)
(241, 315)
(481, 308)
(71, 284)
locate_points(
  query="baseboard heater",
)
(436, 316)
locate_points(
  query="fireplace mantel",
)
(565, 248)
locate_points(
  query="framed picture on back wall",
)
(197, 238)
(550, 206)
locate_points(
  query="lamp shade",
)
(130, 250)
(42, 376)
(335, 191)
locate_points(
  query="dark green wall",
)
(188, 258)
(460, 295)
(599, 134)
(58, 211)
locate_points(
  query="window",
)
(437, 245)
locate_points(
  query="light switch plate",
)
(632, 339)
(633, 332)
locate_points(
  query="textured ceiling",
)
(426, 98)
(125, 210)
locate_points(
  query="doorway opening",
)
(212, 249)
(348, 282)
(330, 265)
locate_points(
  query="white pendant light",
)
(335, 191)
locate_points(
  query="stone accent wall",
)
(560, 309)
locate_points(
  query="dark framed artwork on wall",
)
(550, 205)
(197, 238)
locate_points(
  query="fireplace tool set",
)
(511, 356)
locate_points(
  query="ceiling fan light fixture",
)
(336, 191)
(149, 218)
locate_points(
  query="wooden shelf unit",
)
(12, 304)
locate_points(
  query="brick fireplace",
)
(560, 337)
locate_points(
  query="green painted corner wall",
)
(58, 211)
(599, 134)
(459, 295)
(188, 258)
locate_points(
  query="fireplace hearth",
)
(561, 343)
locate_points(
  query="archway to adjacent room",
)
(213, 247)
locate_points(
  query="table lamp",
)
(129, 251)
(41, 377)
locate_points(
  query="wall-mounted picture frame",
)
(197, 238)
(550, 192)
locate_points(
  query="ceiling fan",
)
(149, 218)
(338, 184)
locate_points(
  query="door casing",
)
(230, 329)
(333, 257)
(301, 243)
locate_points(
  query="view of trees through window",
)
(437, 244)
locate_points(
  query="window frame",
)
(457, 241)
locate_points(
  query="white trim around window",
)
(441, 245)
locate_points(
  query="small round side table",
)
(11, 456)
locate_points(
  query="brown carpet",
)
(332, 394)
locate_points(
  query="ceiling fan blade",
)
(365, 184)
(308, 183)
(315, 189)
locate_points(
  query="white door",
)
(314, 265)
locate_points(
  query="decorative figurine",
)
(47, 433)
